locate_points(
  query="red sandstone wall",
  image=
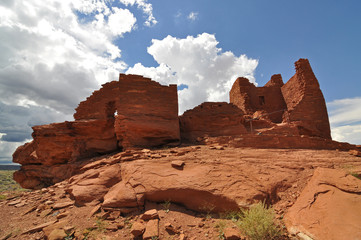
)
(251, 99)
(131, 112)
(211, 119)
(305, 101)
(147, 112)
(240, 94)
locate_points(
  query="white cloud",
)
(192, 16)
(7, 149)
(196, 62)
(146, 7)
(54, 53)
(347, 133)
(345, 119)
(121, 21)
(345, 111)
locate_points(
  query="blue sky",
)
(56, 52)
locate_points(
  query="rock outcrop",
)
(217, 178)
(329, 207)
(305, 102)
(145, 112)
(136, 112)
(299, 101)
(131, 112)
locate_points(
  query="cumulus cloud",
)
(54, 53)
(198, 63)
(146, 8)
(347, 133)
(7, 149)
(345, 119)
(192, 16)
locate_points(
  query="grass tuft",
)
(258, 223)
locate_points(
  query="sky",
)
(54, 53)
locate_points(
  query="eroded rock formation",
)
(136, 112)
(131, 112)
(329, 207)
(299, 101)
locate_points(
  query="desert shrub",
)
(258, 223)
(166, 205)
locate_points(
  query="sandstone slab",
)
(151, 229)
(328, 208)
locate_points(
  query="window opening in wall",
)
(261, 100)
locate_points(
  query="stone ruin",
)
(136, 112)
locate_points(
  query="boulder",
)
(329, 207)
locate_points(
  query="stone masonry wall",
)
(305, 101)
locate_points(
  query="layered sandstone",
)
(136, 112)
(329, 207)
(131, 112)
(299, 101)
(305, 102)
(212, 119)
(145, 112)
(251, 99)
(212, 177)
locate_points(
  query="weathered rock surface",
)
(146, 112)
(212, 119)
(299, 101)
(217, 180)
(329, 207)
(305, 102)
(131, 112)
(236, 173)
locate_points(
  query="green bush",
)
(258, 223)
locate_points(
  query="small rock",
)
(69, 229)
(39, 227)
(49, 202)
(57, 234)
(137, 229)
(170, 229)
(62, 215)
(150, 214)
(177, 163)
(114, 215)
(112, 227)
(30, 210)
(105, 215)
(231, 234)
(21, 204)
(151, 229)
(182, 236)
(45, 213)
(201, 224)
(13, 203)
(62, 205)
(94, 210)
(145, 150)
(120, 225)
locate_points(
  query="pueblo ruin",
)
(136, 112)
(128, 149)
